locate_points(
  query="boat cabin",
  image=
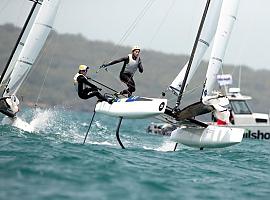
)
(241, 114)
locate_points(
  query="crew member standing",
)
(132, 62)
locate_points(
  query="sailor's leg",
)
(131, 85)
(128, 80)
(100, 96)
(89, 93)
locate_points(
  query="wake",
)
(40, 121)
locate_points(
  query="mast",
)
(192, 56)
(20, 37)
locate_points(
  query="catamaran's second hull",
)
(133, 107)
(210, 137)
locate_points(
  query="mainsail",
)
(223, 30)
(19, 44)
(34, 42)
(207, 34)
(225, 26)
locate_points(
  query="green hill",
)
(60, 57)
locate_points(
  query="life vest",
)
(75, 82)
(132, 65)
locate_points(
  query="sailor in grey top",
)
(132, 62)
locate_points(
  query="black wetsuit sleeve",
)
(124, 59)
(140, 66)
(82, 79)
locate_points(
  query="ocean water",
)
(42, 157)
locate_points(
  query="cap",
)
(83, 67)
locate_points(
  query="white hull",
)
(133, 107)
(210, 137)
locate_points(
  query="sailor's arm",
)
(82, 79)
(124, 59)
(140, 66)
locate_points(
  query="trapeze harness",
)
(84, 92)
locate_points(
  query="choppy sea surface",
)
(42, 157)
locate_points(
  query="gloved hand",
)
(103, 66)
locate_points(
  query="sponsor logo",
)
(161, 106)
(257, 135)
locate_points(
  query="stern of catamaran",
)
(9, 106)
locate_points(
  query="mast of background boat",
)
(18, 42)
(239, 78)
(224, 29)
(192, 56)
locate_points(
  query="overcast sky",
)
(167, 25)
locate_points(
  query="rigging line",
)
(102, 84)
(128, 32)
(187, 92)
(162, 22)
(49, 66)
(53, 35)
(132, 26)
(43, 82)
(116, 78)
(136, 21)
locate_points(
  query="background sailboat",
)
(35, 32)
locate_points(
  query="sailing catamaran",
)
(31, 40)
(191, 132)
(212, 135)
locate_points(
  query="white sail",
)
(225, 26)
(33, 44)
(207, 34)
(20, 45)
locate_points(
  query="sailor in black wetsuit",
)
(85, 92)
(132, 62)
